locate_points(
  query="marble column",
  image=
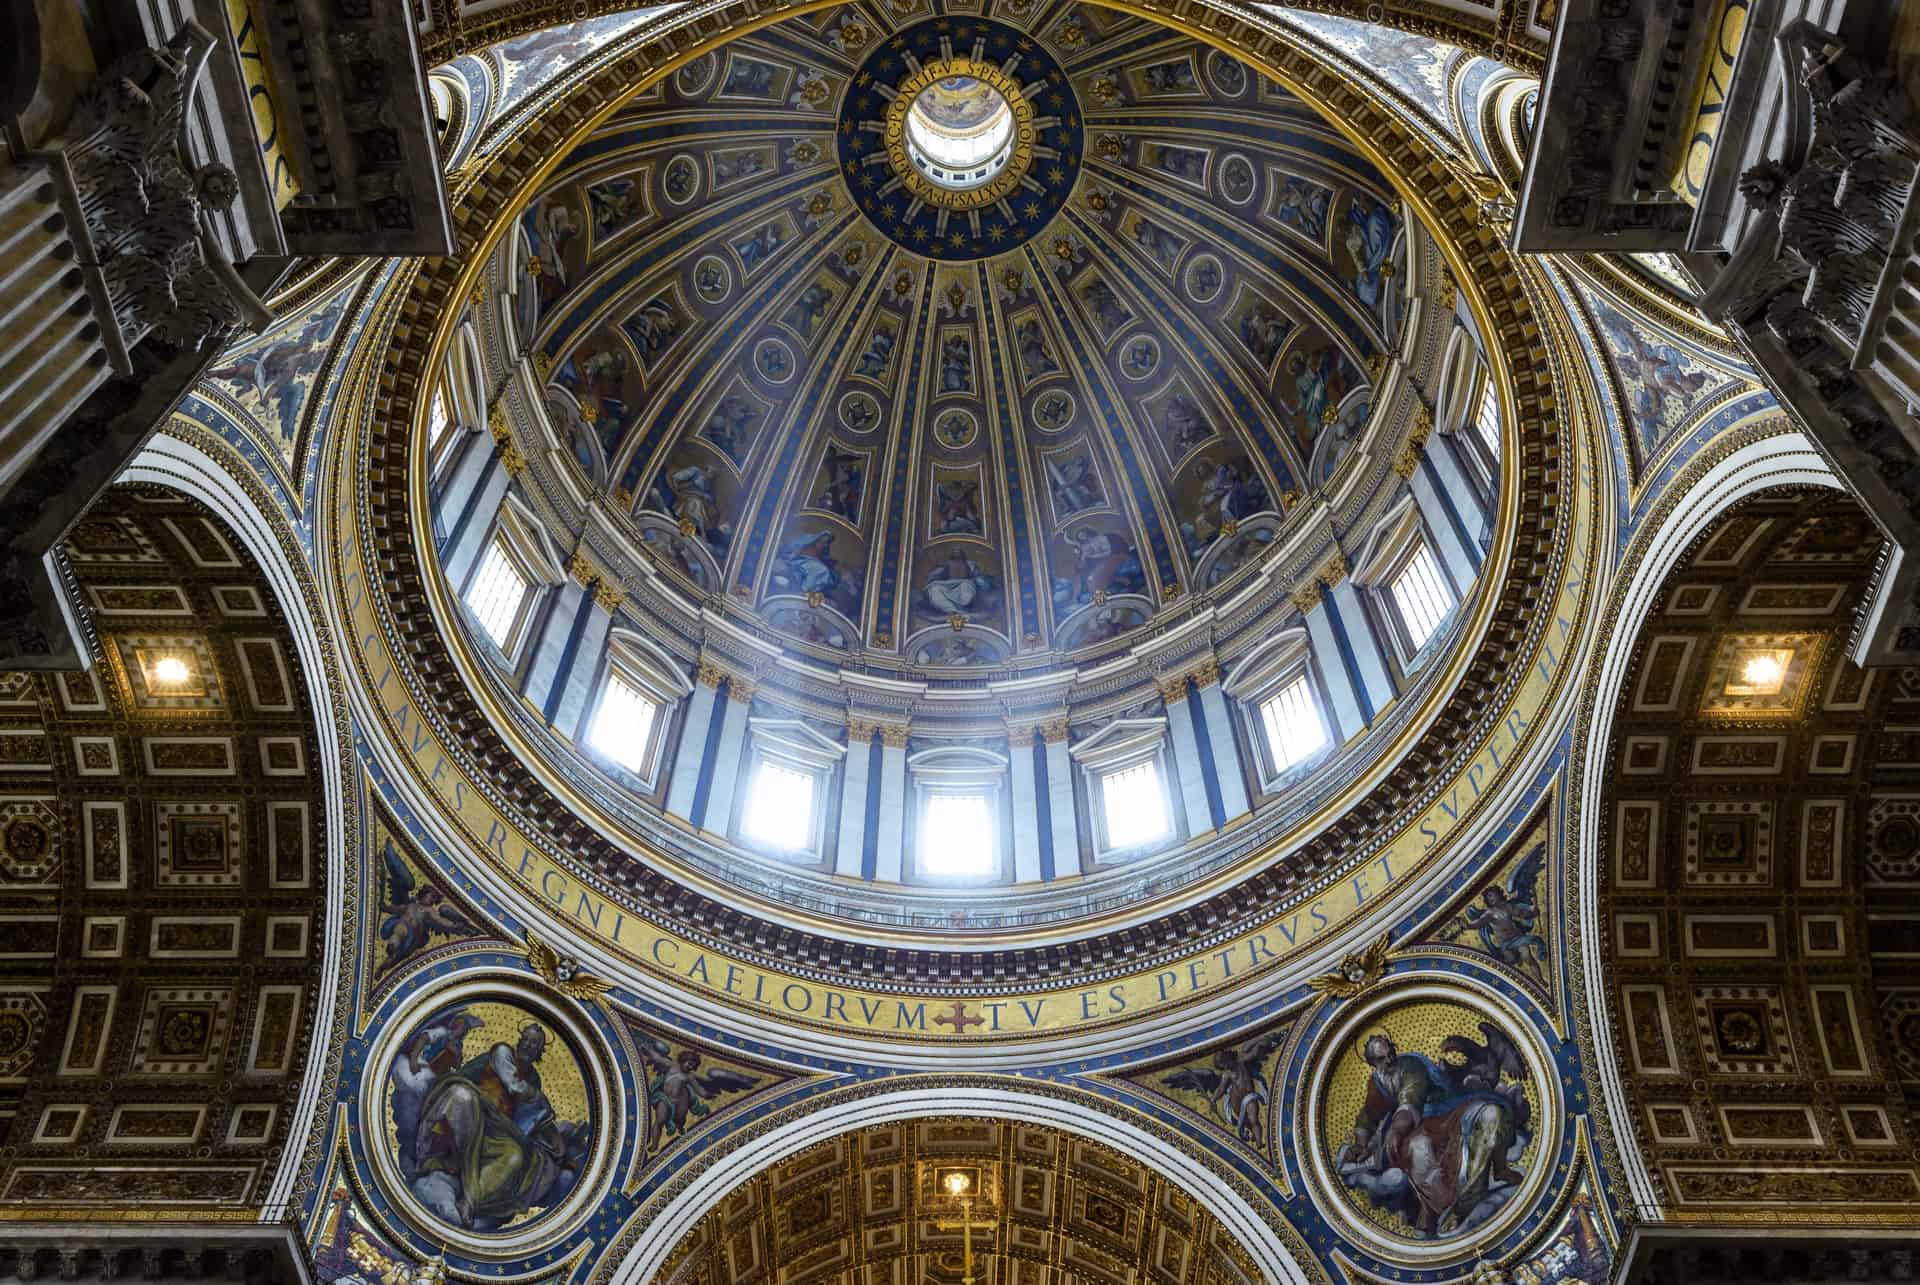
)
(684, 784)
(1348, 615)
(1186, 757)
(1026, 807)
(1065, 821)
(576, 687)
(850, 855)
(1444, 526)
(718, 817)
(1337, 668)
(1220, 741)
(891, 824)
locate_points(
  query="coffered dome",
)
(963, 344)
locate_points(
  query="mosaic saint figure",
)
(1303, 205)
(1035, 360)
(956, 364)
(879, 351)
(1104, 562)
(1370, 241)
(958, 502)
(1433, 1142)
(958, 586)
(1074, 484)
(488, 1147)
(844, 480)
(614, 204)
(1264, 330)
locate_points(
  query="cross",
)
(958, 1019)
(966, 1224)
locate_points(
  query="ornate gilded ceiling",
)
(1045, 1208)
(161, 878)
(1758, 878)
(946, 428)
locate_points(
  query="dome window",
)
(1291, 720)
(781, 804)
(623, 725)
(956, 835)
(957, 803)
(498, 596)
(1421, 595)
(1487, 421)
(1135, 804)
(960, 132)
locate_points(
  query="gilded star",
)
(1032, 209)
(1057, 175)
(997, 233)
(957, 240)
(1055, 99)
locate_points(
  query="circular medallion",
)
(1053, 410)
(492, 1120)
(955, 429)
(712, 278)
(859, 412)
(681, 179)
(1203, 278)
(971, 154)
(774, 360)
(1426, 1107)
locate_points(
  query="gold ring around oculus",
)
(924, 189)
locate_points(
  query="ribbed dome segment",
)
(954, 430)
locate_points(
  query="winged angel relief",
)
(1235, 1084)
(679, 1092)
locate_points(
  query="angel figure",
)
(677, 1090)
(414, 915)
(1506, 920)
(1235, 1086)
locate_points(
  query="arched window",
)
(958, 792)
(628, 724)
(1276, 684)
(505, 589)
(1410, 592)
(784, 811)
(1125, 768)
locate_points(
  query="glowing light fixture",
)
(171, 671)
(958, 1184)
(1761, 671)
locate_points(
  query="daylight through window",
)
(780, 806)
(623, 726)
(1421, 595)
(956, 837)
(1294, 730)
(498, 592)
(1136, 806)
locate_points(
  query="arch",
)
(1780, 459)
(748, 1153)
(182, 467)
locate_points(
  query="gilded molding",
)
(1171, 689)
(608, 596)
(1307, 596)
(894, 735)
(709, 674)
(1054, 731)
(582, 570)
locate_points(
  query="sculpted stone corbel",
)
(142, 206)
